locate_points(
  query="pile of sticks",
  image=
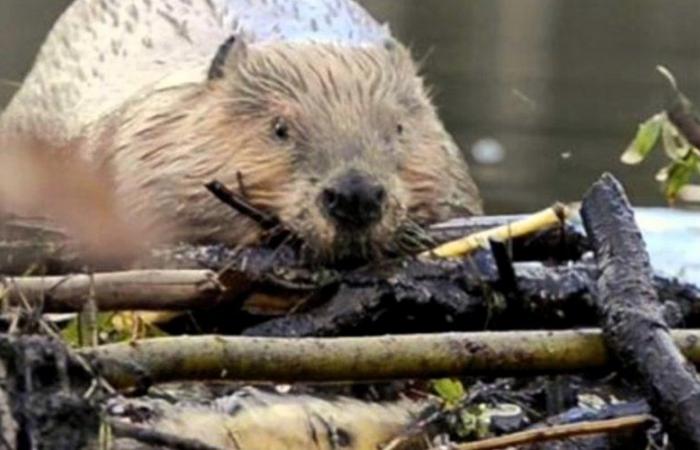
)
(549, 310)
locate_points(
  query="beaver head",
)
(341, 143)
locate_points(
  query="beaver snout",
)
(354, 201)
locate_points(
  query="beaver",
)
(310, 108)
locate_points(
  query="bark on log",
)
(409, 297)
(632, 319)
(423, 296)
(157, 360)
(131, 290)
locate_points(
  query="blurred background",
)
(542, 95)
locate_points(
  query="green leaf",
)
(645, 140)
(675, 145)
(107, 331)
(450, 390)
(679, 174)
(72, 333)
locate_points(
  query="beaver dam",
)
(242, 225)
(537, 331)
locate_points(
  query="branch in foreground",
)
(632, 321)
(131, 290)
(560, 432)
(362, 358)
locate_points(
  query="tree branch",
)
(632, 319)
(357, 358)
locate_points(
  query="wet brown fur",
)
(347, 107)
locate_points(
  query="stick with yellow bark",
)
(556, 215)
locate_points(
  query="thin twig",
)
(560, 432)
(682, 112)
(240, 204)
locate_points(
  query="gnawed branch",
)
(361, 358)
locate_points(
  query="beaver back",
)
(102, 53)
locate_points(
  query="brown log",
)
(632, 319)
(130, 290)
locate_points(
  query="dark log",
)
(410, 295)
(429, 296)
(400, 296)
(632, 316)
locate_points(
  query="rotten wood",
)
(632, 318)
(430, 296)
(157, 360)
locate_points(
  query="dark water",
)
(558, 85)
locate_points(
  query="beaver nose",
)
(354, 201)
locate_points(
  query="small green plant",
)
(450, 390)
(469, 421)
(110, 327)
(677, 131)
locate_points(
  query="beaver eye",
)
(399, 129)
(281, 129)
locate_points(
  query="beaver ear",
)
(233, 49)
(390, 44)
(400, 55)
